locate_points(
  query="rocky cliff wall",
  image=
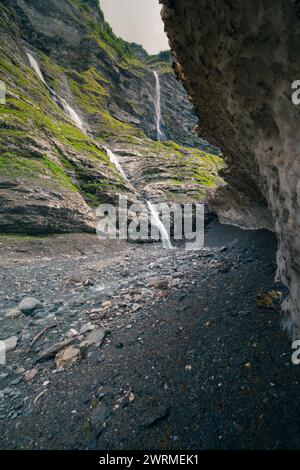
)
(74, 35)
(93, 89)
(237, 61)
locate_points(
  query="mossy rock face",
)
(61, 169)
(168, 172)
(109, 81)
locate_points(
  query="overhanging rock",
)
(238, 61)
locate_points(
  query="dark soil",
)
(195, 364)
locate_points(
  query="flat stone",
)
(135, 308)
(86, 328)
(11, 343)
(30, 374)
(55, 348)
(95, 337)
(16, 381)
(67, 356)
(29, 305)
(13, 313)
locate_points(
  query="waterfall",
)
(165, 239)
(58, 100)
(115, 162)
(72, 114)
(157, 107)
(35, 66)
(155, 220)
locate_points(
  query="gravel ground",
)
(186, 360)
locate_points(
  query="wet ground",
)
(188, 361)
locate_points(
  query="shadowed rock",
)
(237, 62)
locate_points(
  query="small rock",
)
(54, 349)
(88, 282)
(30, 374)
(13, 313)
(270, 300)
(131, 397)
(67, 356)
(72, 333)
(163, 294)
(11, 343)
(138, 298)
(86, 327)
(158, 283)
(135, 308)
(95, 337)
(29, 305)
(16, 381)
(106, 304)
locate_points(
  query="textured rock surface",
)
(167, 172)
(237, 62)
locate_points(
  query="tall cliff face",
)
(73, 35)
(237, 61)
(91, 89)
(178, 116)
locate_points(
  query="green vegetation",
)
(59, 174)
(185, 173)
(161, 62)
(39, 142)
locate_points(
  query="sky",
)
(137, 21)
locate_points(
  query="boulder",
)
(29, 305)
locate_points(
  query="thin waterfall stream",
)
(155, 219)
(113, 158)
(157, 102)
(35, 66)
(60, 101)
